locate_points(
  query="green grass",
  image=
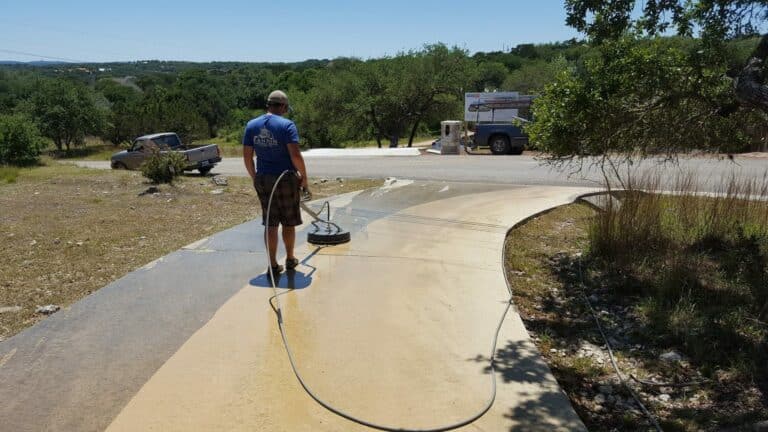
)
(9, 174)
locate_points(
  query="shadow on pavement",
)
(289, 279)
(519, 362)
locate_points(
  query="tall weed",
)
(701, 260)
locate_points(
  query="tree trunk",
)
(376, 126)
(393, 141)
(749, 85)
(413, 133)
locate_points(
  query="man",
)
(275, 141)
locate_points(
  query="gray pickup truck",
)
(199, 158)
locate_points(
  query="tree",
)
(169, 110)
(640, 97)
(412, 87)
(65, 112)
(716, 21)
(533, 76)
(206, 95)
(20, 141)
(123, 118)
(335, 108)
(491, 76)
(644, 93)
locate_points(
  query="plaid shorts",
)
(285, 203)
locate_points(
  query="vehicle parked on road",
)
(501, 138)
(202, 158)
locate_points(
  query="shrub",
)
(20, 140)
(163, 167)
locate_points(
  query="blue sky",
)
(98, 31)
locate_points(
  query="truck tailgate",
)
(203, 153)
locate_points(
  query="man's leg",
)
(272, 245)
(289, 240)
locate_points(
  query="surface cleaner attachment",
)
(324, 232)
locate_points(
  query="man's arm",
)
(248, 160)
(298, 162)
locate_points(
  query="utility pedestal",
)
(450, 137)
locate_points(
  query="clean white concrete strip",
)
(357, 152)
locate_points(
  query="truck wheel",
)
(119, 165)
(204, 171)
(499, 144)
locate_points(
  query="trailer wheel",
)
(205, 170)
(499, 144)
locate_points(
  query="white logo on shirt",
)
(265, 139)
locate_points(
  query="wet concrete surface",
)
(395, 326)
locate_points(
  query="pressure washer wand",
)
(306, 196)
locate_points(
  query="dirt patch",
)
(68, 231)
(543, 266)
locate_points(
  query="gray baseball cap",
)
(278, 97)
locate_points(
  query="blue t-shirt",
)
(269, 135)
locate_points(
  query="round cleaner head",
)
(325, 238)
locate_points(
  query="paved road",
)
(519, 170)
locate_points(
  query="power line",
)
(41, 56)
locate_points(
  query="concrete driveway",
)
(395, 327)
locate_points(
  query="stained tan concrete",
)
(395, 328)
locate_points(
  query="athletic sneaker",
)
(291, 263)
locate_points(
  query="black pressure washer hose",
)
(329, 407)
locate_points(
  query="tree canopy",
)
(643, 91)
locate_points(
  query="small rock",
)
(169, 200)
(664, 397)
(150, 190)
(553, 350)
(600, 399)
(8, 309)
(605, 389)
(220, 180)
(33, 242)
(79, 243)
(47, 310)
(56, 241)
(671, 356)
(217, 191)
(323, 180)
